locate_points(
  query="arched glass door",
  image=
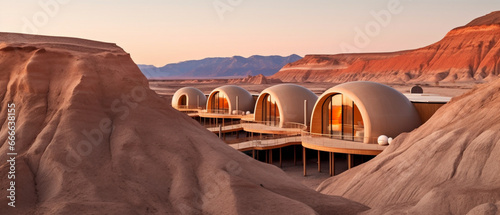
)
(270, 111)
(220, 103)
(182, 103)
(341, 118)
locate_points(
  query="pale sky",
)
(158, 32)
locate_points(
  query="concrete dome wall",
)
(192, 95)
(384, 110)
(246, 101)
(290, 101)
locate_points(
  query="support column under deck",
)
(270, 156)
(294, 155)
(332, 164)
(281, 164)
(349, 161)
(267, 156)
(304, 160)
(319, 161)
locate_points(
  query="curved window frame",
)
(349, 121)
(182, 102)
(220, 103)
(270, 111)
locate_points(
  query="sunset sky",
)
(166, 31)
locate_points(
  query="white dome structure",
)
(284, 103)
(189, 98)
(229, 98)
(362, 111)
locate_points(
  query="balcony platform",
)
(267, 144)
(340, 146)
(219, 115)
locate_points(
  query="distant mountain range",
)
(236, 66)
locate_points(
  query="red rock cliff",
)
(468, 53)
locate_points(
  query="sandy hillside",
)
(466, 54)
(92, 138)
(450, 165)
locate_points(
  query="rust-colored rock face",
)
(92, 138)
(468, 53)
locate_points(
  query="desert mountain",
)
(92, 138)
(449, 165)
(220, 67)
(468, 53)
(258, 79)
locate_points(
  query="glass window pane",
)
(348, 119)
(359, 127)
(215, 104)
(326, 116)
(225, 103)
(336, 116)
(183, 100)
(276, 114)
(219, 103)
(342, 119)
(270, 111)
(265, 108)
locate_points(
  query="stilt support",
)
(304, 160)
(319, 161)
(294, 155)
(281, 156)
(349, 161)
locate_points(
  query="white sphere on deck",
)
(389, 141)
(382, 140)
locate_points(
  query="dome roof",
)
(384, 110)
(245, 99)
(194, 98)
(290, 101)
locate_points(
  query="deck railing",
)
(328, 139)
(224, 125)
(188, 107)
(248, 117)
(255, 142)
(223, 112)
(261, 138)
(216, 111)
(286, 125)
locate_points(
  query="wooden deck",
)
(255, 128)
(341, 146)
(267, 144)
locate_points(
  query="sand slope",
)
(449, 165)
(468, 53)
(93, 138)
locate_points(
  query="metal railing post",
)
(220, 131)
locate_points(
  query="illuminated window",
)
(342, 119)
(220, 103)
(270, 111)
(182, 101)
